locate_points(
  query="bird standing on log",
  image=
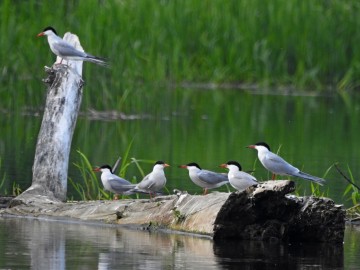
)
(155, 180)
(238, 179)
(114, 183)
(66, 51)
(278, 166)
(204, 178)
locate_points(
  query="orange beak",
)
(166, 165)
(40, 34)
(183, 166)
(96, 169)
(223, 165)
(251, 146)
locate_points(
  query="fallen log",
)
(266, 212)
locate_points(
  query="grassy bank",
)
(304, 43)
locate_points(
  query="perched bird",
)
(277, 165)
(66, 51)
(238, 179)
(114, 183)
(155, 180)
(204, 178)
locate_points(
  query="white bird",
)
(66, 51)
(238, 179)
(114, 183)
(155, 180)
(278, 165)
(204, 178)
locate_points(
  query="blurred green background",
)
(205, 79)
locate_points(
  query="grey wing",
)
(247, 176)
(65, 49)
(242, 180)
(212, 178)
(146, 183)
(120, 184)
(278, 165)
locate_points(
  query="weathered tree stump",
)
(50, 168)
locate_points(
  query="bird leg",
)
(273, 176)
(205, 191)
(116, 196)
(60, 62)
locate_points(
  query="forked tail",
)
(315, 179)
(97, 60)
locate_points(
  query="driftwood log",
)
(266, 213)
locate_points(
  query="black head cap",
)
(193, 164)
(232, 162)
(106, 167)
(160, 162)
(50, 28)
(264, 144)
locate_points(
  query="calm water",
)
(205, 126)
(50, 244)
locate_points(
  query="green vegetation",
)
(89, 187)
(15, 189)
(178, 216)
(351, 193)
(154, 45)
(302, 43)
(3, 178)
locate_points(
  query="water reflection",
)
(208, 127)
(51, 244)
(263, 255)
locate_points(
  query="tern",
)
(204, 178)
(238, 179)
(66, 51)
(155, 180)
(278, 166)
(114, 183)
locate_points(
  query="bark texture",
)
(269, 213)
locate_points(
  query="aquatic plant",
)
(16, 190)
(3, 178)
(90, 188)
(352, 191)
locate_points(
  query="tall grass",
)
(88, 187)
(3, 178)
(352, 191)
(309, 44)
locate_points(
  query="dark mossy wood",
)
(268, 213)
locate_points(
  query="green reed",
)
(3, 178)
(303, 43)
(352, 191)
(88, 187)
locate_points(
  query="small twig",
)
(346, 178)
